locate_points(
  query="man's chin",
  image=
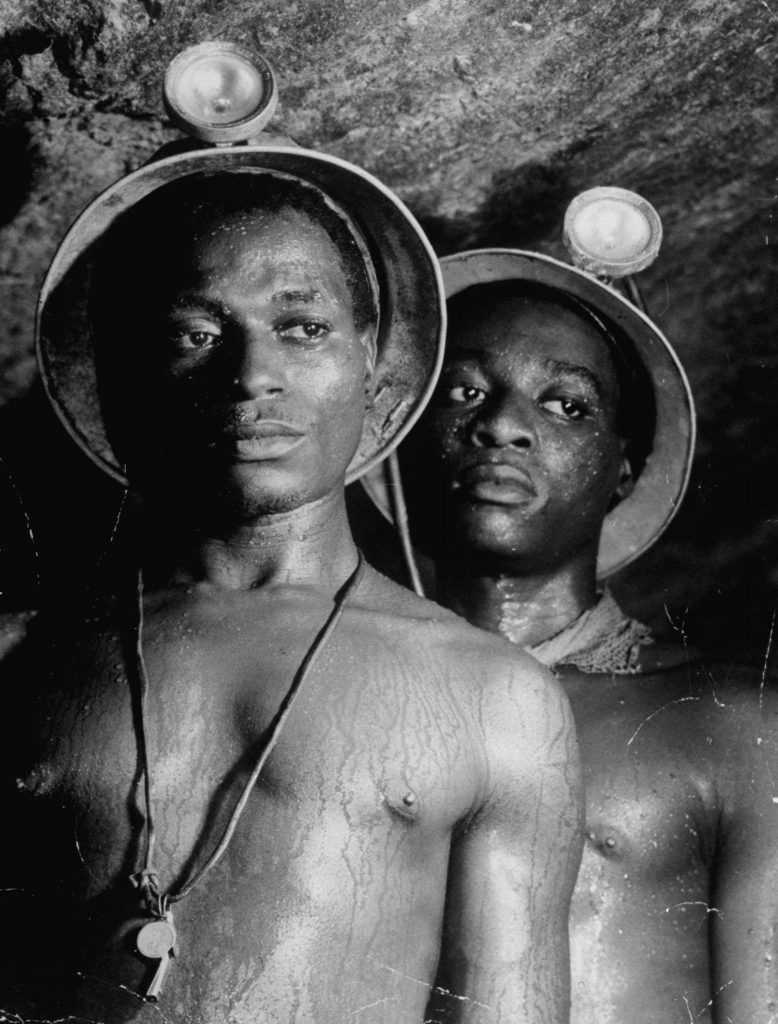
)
(498, 519)
(481, 530)
(246, 490)
(245, 494)
(207, 482)
(485, 541)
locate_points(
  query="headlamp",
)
(220, 92)
(612, 232)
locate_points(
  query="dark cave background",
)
(486, 117)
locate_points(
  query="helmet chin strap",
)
(400, 516)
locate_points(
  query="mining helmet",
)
(637, 521)
(210, 90)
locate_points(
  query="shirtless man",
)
(422, 788)
(528, 462)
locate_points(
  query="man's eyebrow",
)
(576, 370)
(295, 295)
(215, 307)
(557, 366)
(185, 301)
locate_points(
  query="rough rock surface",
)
(486, 116)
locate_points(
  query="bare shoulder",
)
(385, 598)
(740, 722)
(746, 697)
(729, 708)
(514, 696)
(395, 607)
(672, 669)
(727, 687)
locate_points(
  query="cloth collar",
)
(601, 640)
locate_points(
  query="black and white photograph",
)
(388, 526)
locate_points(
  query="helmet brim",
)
(412, 304)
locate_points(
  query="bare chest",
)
(641, 908)
(649, 779)
(370, 742)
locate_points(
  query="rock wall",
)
(487, 117)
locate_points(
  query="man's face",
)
(520, 439)
(262, 369)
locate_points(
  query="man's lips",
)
(498, 483)
(260, 440)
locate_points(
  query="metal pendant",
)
(156, 940)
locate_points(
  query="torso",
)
(329, 900)
(655, 769)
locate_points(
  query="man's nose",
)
(502, 423)
(257, 369)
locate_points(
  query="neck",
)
(526, 609)
(310, 545)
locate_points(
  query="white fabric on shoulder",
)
(601, 640)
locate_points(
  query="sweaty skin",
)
(424, 786)
(675, 909)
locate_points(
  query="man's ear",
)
(626, 482)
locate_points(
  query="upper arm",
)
(744, 923)
(506, 953)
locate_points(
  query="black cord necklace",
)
(156, 939)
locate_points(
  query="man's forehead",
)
(516, 313)
(280, 236)
(510, 320)
(216, 227)
(208, 294)
(290, 257)
(518, 331)
(487, 355)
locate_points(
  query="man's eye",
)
(567, 408)
(465, 393)
(188, 341)
(304, 330)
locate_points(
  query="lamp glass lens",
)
(612, 229)
(219, 89)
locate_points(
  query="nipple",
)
(402, 800)
(605, 842)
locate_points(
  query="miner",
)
(249, 778)
(554, 451)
